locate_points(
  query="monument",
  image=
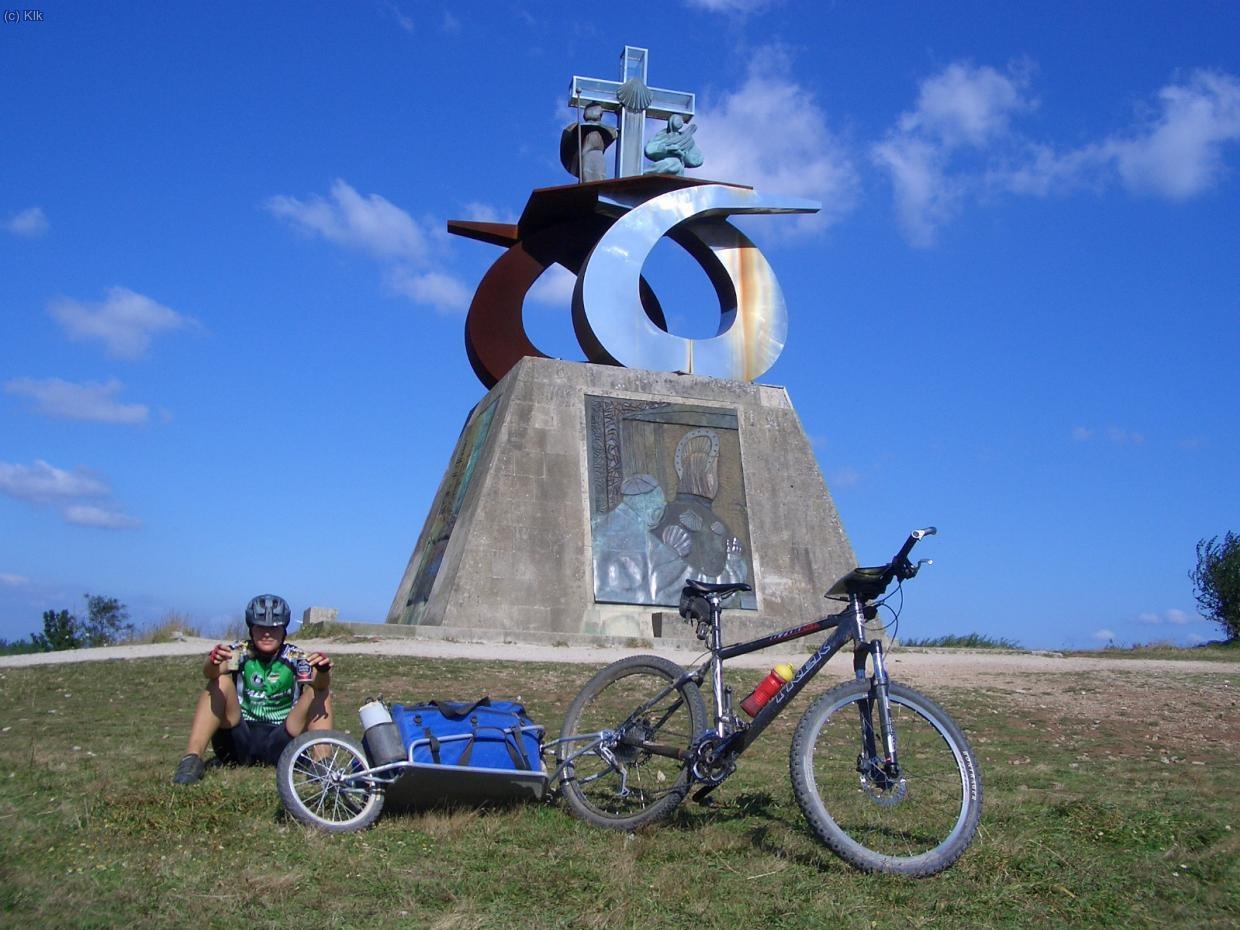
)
(580, 496)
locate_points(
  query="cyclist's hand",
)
(220, 655)
(319, 662)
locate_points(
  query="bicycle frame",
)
(849, 626)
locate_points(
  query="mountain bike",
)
(885, 778)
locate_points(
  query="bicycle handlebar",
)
(900, 567)
(913, 537)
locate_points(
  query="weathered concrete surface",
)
(519, 555)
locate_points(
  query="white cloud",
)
(960, 141)
(124, 322)
(371, 224)
(1174, 616)
(962, 111)
(100, 517)
(925, 196)
(772, 134)
(43, 483)
(1115, 435)
(1037, 170)
(402, 20)
(1104, 636)
(1179, 154)
(1123, 437)
(31, 223)
(965, 105)
(728, 6)
(94, 401)
(554, 287)
(481, 212)
(434, 289)
(845, 477)
(1175, 153)
(9, 580)
(377, 227)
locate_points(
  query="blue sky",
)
(231, 351)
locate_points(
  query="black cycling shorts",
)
(251, 743)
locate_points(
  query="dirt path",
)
(938, 666)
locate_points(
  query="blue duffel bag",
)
(485, 734)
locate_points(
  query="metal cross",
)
(663, 103)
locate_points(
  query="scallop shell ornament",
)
(634, 94)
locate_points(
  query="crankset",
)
(712, 759)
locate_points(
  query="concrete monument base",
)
(538, 524)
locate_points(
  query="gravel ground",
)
(928, 667)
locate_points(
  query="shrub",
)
(171, 626)
(60, 631)
(1216, 582)
(967, 641)
(18, 647)
(107, 622)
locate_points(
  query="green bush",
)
(60, 631)
(18, 647)
(967, 641)
(1216, 582)
(171, 626)
(107, 623)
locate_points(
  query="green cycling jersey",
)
(268, 687)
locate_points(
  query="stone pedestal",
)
(532, 528)
(314, 615)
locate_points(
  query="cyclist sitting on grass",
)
(260, 694)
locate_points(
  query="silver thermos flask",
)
(381, 738)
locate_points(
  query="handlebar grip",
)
(913, 537)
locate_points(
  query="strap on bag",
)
(511, 736)
(469, 744)
(459, 710)
(433, 741)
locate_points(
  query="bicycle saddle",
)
(723, 590)
(867, 582)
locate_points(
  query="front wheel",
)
(625, 741)
(317, 781)
(914, 822)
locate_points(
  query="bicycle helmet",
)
(267, 610)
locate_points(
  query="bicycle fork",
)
(883, 767)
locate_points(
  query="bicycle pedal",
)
(703, 796)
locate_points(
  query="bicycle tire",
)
(312, 778)
(917, 826)
(614, 699)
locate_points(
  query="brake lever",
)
(909, 570)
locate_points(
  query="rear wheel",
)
(915, 822)
(317, 781)
(632, 723)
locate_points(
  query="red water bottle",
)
(775, 679)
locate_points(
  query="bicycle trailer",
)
(463, 752)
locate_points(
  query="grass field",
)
(1110, 801)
